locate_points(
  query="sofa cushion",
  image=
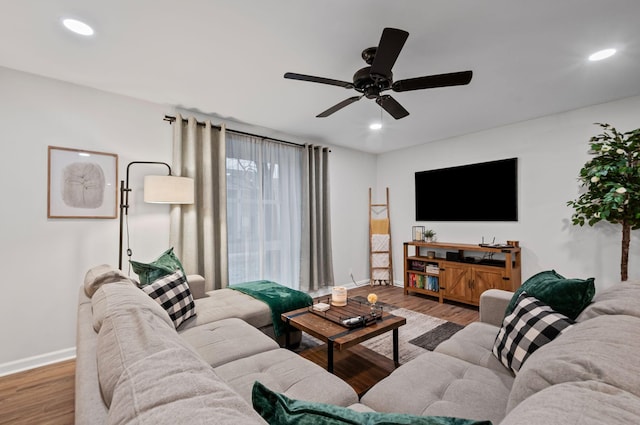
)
(566, 296)
(531, 325)
(101, 275)
(173, 294)
(171, 386)
(227, 340)
(225, 303)
(119, 296)
(165, 264)
(584, 403)
(439, 385)
(282, 410)
(474, 344)
(621, 298)
(602, 349)
(126, 337)
(288, 373)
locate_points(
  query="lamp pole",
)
(124, 202)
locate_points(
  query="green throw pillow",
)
(278, 409)
(166, 264)
(566, 296)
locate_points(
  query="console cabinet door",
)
(484, 278)
(456, 282)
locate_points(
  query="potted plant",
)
(612, 182)
(429, 235)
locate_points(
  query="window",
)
(263, 210)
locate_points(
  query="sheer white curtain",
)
(264, 210)
(199, 232)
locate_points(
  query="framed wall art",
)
(81, 184)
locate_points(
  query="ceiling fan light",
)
(375, 126)
(602, 54)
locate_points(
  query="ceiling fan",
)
(376, 78)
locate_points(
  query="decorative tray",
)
(355, 314)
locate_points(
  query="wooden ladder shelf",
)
(381, 258)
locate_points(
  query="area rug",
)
(422, 333)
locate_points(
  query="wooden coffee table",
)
(340, 337)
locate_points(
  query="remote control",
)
(352, 321)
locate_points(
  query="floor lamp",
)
(167, 189)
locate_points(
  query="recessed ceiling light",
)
(78, 27)
(375, 126)
(602, 54)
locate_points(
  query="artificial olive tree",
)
(612, 182)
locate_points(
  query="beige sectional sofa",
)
(588, 375)
(133, 367)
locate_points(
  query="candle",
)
(339, 296)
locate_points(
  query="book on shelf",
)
(432, 268)
(432, 283)
(416, 265)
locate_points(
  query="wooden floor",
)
(45, 396)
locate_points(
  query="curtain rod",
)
(171, 120)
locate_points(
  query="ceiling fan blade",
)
(391, 43)
(433, 81)
(390, 105)
(338, 106)
(311, 78)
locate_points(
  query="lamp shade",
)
(168, 190)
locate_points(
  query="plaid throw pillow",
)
(531, 325)
(173, 294)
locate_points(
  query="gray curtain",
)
(198, 231)
(316, 268)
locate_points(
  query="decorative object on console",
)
(531, 325)
(417, 233)
(81, 183)
(167, 189)
(429, 235)
(612, 180)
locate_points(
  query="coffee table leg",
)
(330, 355)
(287, 338)
(395, 347)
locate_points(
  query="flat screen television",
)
(486, 191)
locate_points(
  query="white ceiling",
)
(228, 58)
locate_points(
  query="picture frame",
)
(81, 183)
(417, 233)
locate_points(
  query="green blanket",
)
(280, 299)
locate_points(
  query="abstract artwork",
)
(81, 183)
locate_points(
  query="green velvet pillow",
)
(566, 296)
(278, 409)
(166, 264)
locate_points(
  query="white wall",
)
(550, 151)
(46, 259)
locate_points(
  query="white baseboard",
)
(37, 361)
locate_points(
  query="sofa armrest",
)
(493, 304)
(196, 285)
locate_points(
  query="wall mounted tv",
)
(486, 191)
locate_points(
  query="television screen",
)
(486, 191)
